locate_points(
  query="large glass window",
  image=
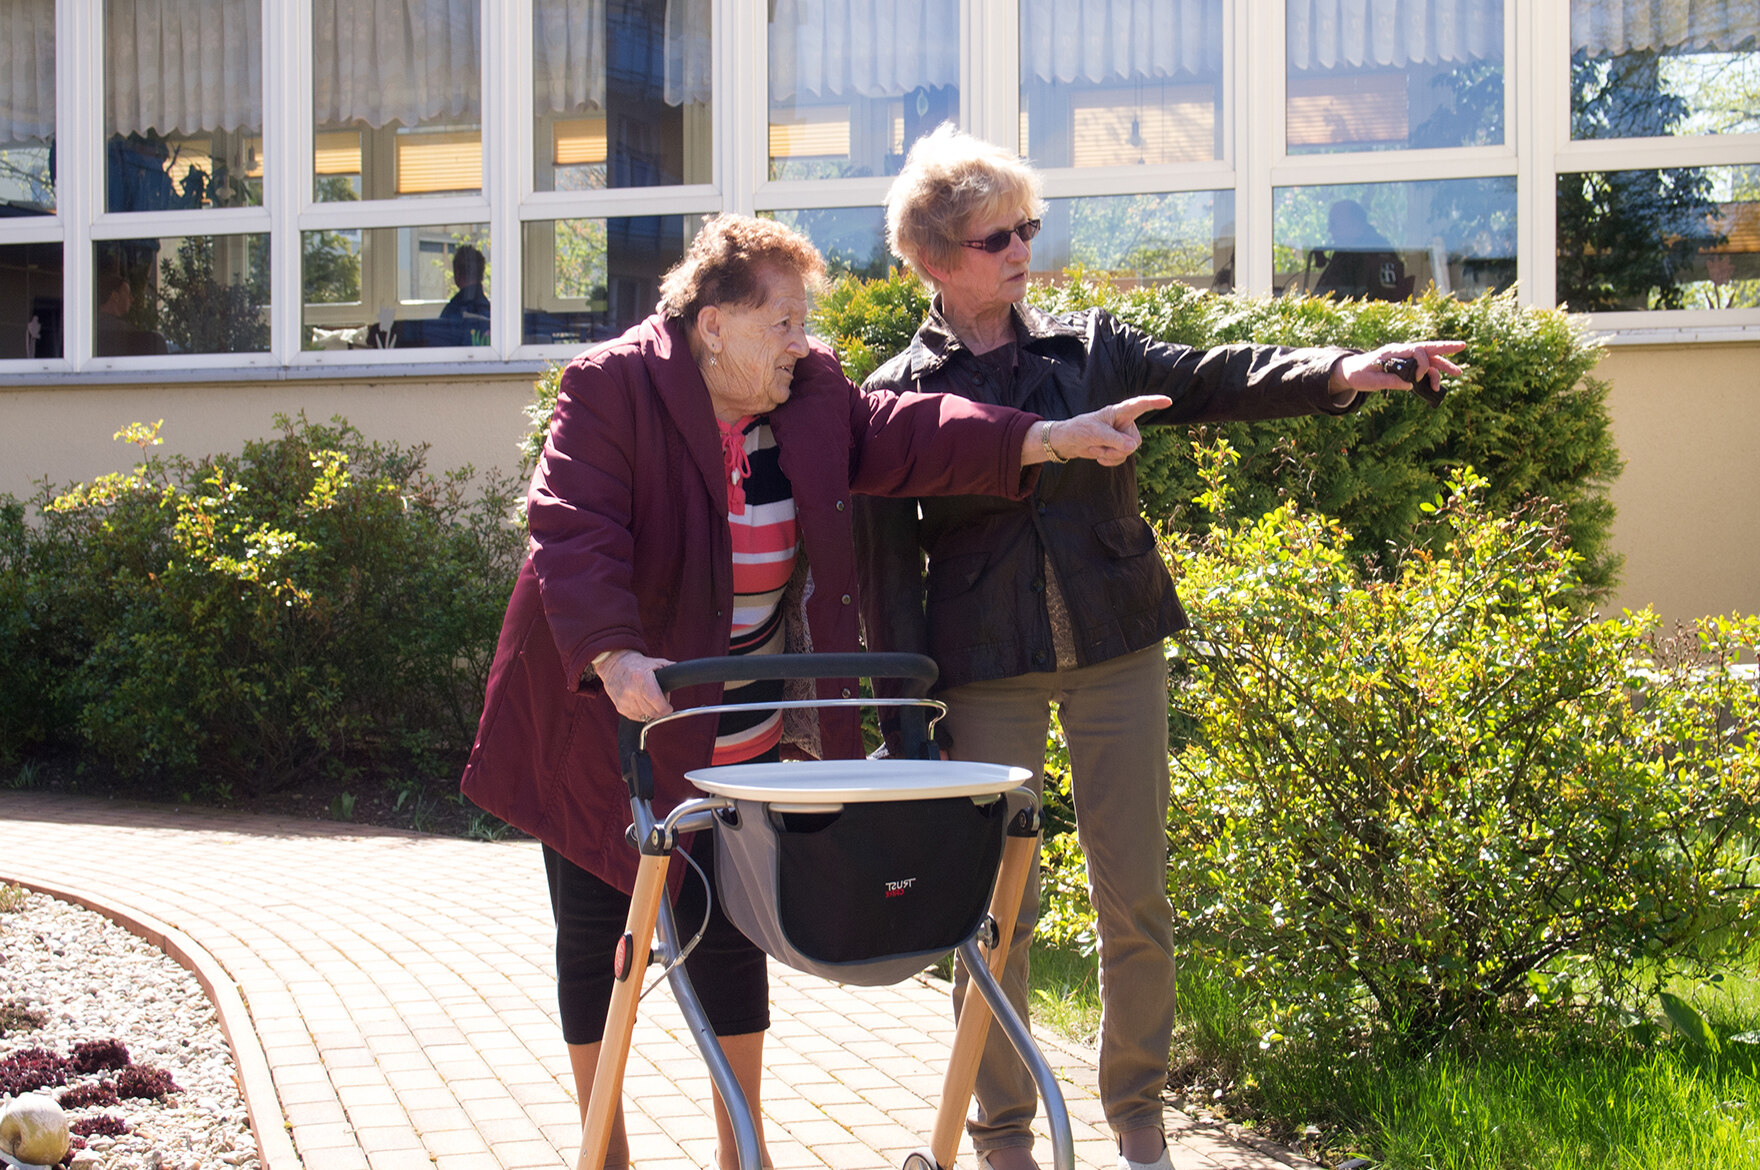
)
(1396, 74)
(1386, 241)
(397, 99)
(194, 294)
(1653, 68)
(1121, 84)
(852, 239)
(853, 84)
(1183, 236)
(621, 93)
(589, 279)
(30, 301)
(1676, 238)
(396, 288)
(27, 107)
(183, 104)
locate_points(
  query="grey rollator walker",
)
(861, 871)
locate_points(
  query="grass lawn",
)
(1637, 1098)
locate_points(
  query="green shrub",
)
(317, 600)
(1426, 795)
(1527, 414)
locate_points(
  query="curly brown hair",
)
(728, 262)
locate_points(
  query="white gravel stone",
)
(96, 981)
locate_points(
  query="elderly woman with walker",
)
(1059, 596)
(692, 501)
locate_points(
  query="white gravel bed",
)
(93, 980)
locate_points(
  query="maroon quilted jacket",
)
(630, 548)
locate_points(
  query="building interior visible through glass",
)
(195, 294)
(852, 86)
(183, 105)
(1387, 241)
(620, 98)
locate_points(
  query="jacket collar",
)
(673, 372)
(935, 343)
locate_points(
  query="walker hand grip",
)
(638, 769)
(773, 666)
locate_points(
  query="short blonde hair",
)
(729, 263)
(950, 180)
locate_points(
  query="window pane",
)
(852, 239)
(1121, 85)
(852, 86)
(1387, 241)
(396, 288)
(1685, 238)
(27, 109)
(1639, 70)
(620, 93)
(183, 104)
(195, 294)
(590, 279)
(1395, 75)
(396, 99)
(30, 301)
(1186, 236)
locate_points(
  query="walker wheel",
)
(920, 1160)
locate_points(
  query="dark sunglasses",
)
(996, 241)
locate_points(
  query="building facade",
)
(212, 211)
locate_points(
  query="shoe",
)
(1164, 1162)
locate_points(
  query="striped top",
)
(761, 516)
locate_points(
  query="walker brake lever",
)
(1407, 368)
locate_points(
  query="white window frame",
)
(1536, 149)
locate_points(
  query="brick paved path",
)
(391, 1001)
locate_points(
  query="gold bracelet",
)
(1045, 442)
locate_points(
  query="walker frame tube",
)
(650, 917)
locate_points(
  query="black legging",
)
(727, 969)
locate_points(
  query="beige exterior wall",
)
(1686, 418)
(65, 432)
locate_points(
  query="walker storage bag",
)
(868, 894)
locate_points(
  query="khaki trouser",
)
(1114, 718)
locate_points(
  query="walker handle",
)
(765, 667)
(638, 771)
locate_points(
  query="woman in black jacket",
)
(1062, 597)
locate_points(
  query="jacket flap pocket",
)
(952, 576)
(1127, 536)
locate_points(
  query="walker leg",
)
(620, 1018)
(974, 1017)
(733, 1098)
(1063, 1147)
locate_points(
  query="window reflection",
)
(1121, 85)
(30, 301)
(27, 108)
(396, 288)
(1185, 236)
(1388, 241)
(194, 294)
(853, 84)
(1402, 74)
(590, 279)
(183, 104)
(621, 93)
(396, 99)
(1681, 238)
(852, 239)
(1664, 67)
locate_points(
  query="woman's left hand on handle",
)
(629, 681)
